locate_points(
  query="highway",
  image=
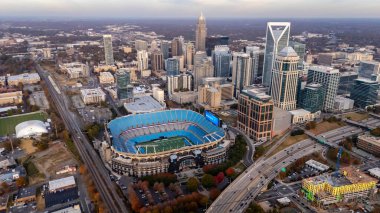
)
(114, 203)
(241, 192)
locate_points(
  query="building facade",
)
(368, 68)
(108, 50)
(312, 97)
(177, 83)
(221, 57)
(364, 92)
(203, 68)
(106, 78)
(157, 60)
(215, 40)
(200, 34)
(124, 89)
(241, 71)
(172, 66)
(93, 96)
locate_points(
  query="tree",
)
(254, 208)
(214, 193)
(208, 181)
(168, 209)
(311, 125)
(21, 182)
(219, 178)
(375, 132)
(192, 184)
(259, 151)
(230, 172)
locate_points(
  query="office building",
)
(179, 83)
(222, 61)
(368, 68)
(93, 96)
(202, 68)
(300, 116)
(25, 78)
(212, 41)
(141, 45)
(177, 46)
(124, 89)
(364, 92)
(108, 50)
(342, 103)
(369, 144)
(209, 97)
(172, 66)
(75, 70)
(285, 79)
(346, 82)
(165, 49)
(157, 60)
(257, 62)
(200, 34)
(277, 38)
(142, 60)
(326, 59)
(328, 77)
(106, 78)
(300, 50)
(241, 71)
(181, 62)
(255, 114)
(189, 56)
(312, 97)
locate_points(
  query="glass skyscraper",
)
(172, 66)
(221, 58)
(312, 97)
(123, 79)
(364, 92)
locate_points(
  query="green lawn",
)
(8, 124)
(164, 144)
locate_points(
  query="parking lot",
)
(92, 114)
(39, 99)
(306, 172)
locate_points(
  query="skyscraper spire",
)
(200, 34)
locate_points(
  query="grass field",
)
(164, 144)
(326, 126)
(356, 116)
(288, 142)
(8, 124)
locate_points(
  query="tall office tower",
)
(312, 97)
(329, 78)
(285, 79)
(165, 49)
(255, 115)
(368, 68)
(276, 39)
(212, 41)
(200, 34)
(157, 60)
(257, 60)
(181, 62)
(202, 68)
(189, 59)
(124, 89)
(108, 50)
(300, 50)
(177, 47)
(141, 45)
(179, 83)
(364, 92)
(222, 61)
(142, 60)
(172, 66)
(241, 71)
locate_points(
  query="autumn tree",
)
(214, 193)
(219, 178)
(21, 182)
(192, 184)
(230, 172)
(208, 180)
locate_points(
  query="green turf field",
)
(165, 144)
(8, 124)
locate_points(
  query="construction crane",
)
(338, 157)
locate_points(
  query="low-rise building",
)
(185, 97)
(144, 104)
(26, 78)
(342, 103)
(26, 195)
(375, 172)
(105, 68)
(317, 165)
(75, 70)
(302, 116)
(158, 94)
(11, 98)
(2, 81)
(61, 191)
(92, 96)
(106, 78)
(369, 144)
(62, 184)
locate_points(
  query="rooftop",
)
(324, 69)
(288, 52)
(299, 112)
(61, 183)
(26, 192)
(91, 92)
(375, 172)
(143, 104)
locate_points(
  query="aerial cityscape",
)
(221, 107)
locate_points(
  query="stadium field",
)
(163, 144)
(8, 124)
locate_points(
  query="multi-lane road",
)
(114, 203)
(242, 191)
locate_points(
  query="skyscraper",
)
(300, 50)
(257, 60)
(364, 92)
(142, 60)
(179, 83)
(108, 51)
(285, 79)
(212, 41)
(165, 49)
(241, 71)
(189, 59)
(312, 97)
(202, 68)
(172, 66)
(124, 89)
(141, 45)
(277, 38)
(200, 34)
(329, 78)
(157, 60)
(221, 59)
(177, 46)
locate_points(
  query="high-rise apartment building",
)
(212, 41)
(277, 37)
(141, 45)
(202, 68)
(172, 66)
(364, 92)
(222, 61)
(108, 50)
(312, 97)
(165, 49)
(142, 60)
(157, 60)
(124, 89)
(257, 61)
(241, 71)
(177, 46)
(178, 83)
(329, 78)
(189, 59)
(285, 79)
(200, 34)
(255, 115)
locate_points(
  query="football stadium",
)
(164, 141)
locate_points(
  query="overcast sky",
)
(191, 8)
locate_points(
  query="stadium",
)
(164, 141)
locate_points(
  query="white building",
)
(144, 104)
(342, 103)
(30, 128)
(62, 184)
(75, 70)
(178, 83)
(91, 96)
(106, 78)
(142, 60)
(302, 116)
(317, 165)
(46, 53)
(158, 94)
(26, 78)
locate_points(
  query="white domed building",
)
(30, 128)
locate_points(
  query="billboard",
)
(212, 118)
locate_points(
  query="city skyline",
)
(191, 8)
